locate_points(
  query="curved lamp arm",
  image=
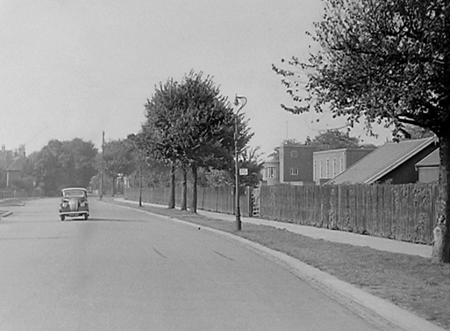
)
(240, 99)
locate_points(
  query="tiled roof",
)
(432, 160)
(381, 161)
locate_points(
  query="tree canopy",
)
(66, 163)
(334, 139)
(379, 60)
(118, 159)
(385, 62)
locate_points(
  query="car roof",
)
(74, 188)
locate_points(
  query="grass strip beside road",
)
(411, 282)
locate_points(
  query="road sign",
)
(243, 171)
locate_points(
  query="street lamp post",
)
(237, 211)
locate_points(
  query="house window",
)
(328, 168)
(270, 172)
(294, 171)
(334, 168)
(342, 164)
(321, 169)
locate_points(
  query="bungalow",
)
(393, 163)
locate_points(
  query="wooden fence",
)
(401, 212)
(8, 194)
(216, 199)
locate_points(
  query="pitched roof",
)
(17, 164)
(432, 160)
(381, 161)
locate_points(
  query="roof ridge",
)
(426, 142)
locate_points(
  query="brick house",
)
(294, 166)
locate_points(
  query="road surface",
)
(127, 270)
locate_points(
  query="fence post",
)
(250, 201)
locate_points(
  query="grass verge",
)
(411, 282)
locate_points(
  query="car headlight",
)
(64, 204)
(82, 203)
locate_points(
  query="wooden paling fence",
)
(216, 199)
(8, 194)
(401, 212)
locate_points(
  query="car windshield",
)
(73, 193)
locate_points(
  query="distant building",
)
(330, 163)
(393, 163)
(10, 164)
(294, 166)
(271, 172)
(13, 173)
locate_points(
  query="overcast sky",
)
(76, 68)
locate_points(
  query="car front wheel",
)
(62, 217)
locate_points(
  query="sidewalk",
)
(378, 243)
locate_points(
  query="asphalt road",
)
(127, 270)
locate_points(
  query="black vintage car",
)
(74, 203)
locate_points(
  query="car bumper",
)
(74, 213)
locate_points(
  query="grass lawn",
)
(411, 282)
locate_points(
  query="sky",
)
(73, 69)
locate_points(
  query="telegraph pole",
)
(102, 165)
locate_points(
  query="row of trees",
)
(190, 126)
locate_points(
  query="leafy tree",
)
(78, 161)
(416, 132)
(159, 135)
(118, 159)
(61, 164)
(148, 171)
(48, 169)
(250, 159)
(334, 139)
(217, 178)
(385, 62)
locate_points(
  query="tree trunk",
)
(114, 186)
(184, 189)
(193, 208)
(140, 183)
(441, 245)
(172, 187)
